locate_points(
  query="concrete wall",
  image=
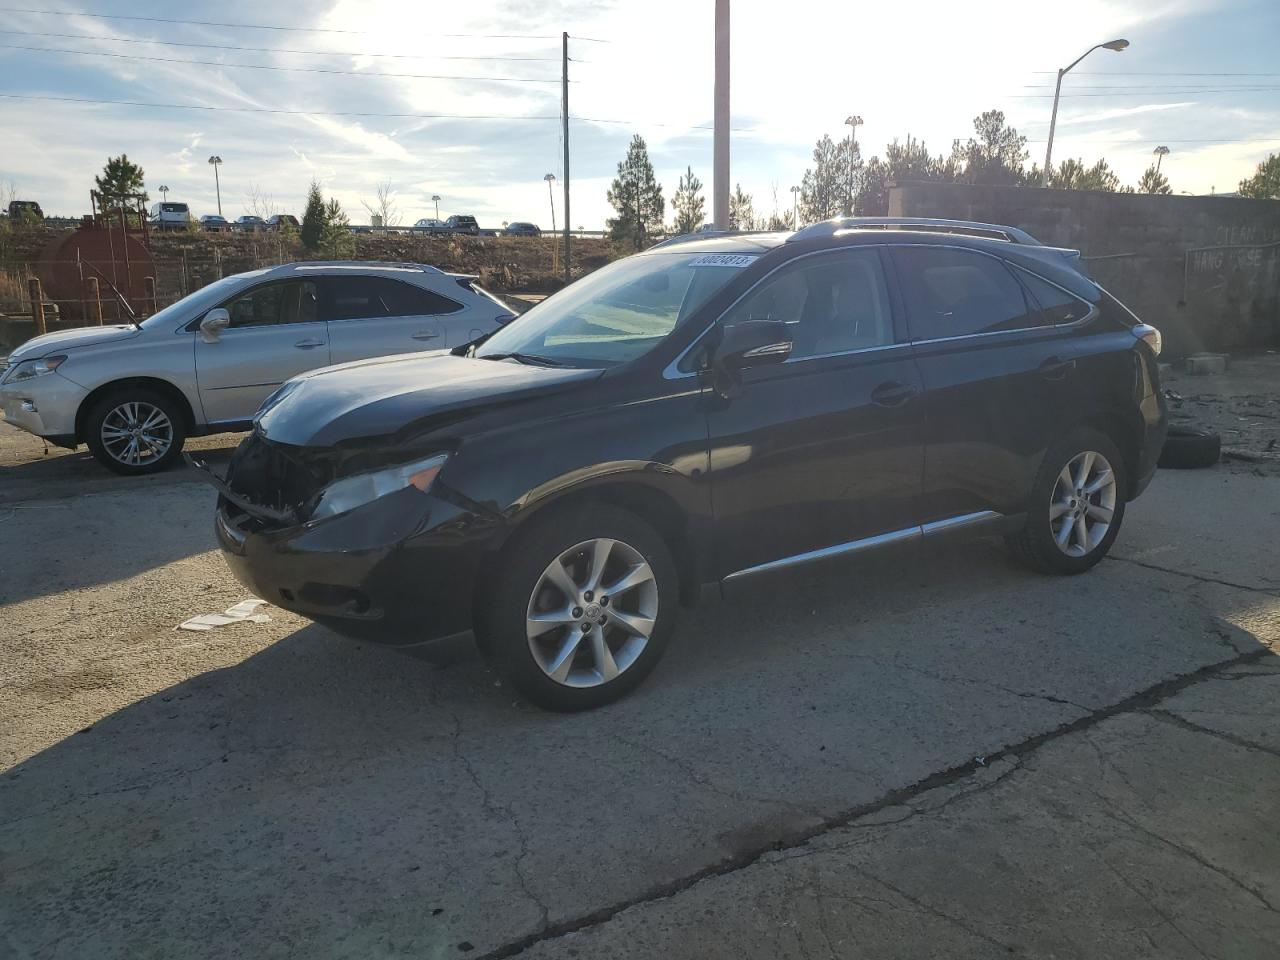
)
(1205, 270)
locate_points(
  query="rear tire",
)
(580, 607)
(1076, 505)
(1190, 446)
(134, 431)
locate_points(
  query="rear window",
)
(956, 293)
(367, 298)
(173, 207)
(1056, 305)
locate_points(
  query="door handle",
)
(308, 344)
(1055, 368)
(891, 393)
(425, 335)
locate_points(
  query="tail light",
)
(1148, 335)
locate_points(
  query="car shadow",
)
(351, 790)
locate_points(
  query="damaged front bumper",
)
(399, 570)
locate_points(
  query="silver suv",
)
(135, 392)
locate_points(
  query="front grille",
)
(276, 475)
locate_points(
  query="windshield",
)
(618, 313)
(193, 304)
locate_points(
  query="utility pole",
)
(795, 208)
(435, 198)
(720, 148)
(564, 108)
(1117, 46)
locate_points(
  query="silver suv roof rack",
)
(968, 228)
(709, 234)
(359, 265)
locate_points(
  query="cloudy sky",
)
(462, 100)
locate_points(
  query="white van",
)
(169, 216)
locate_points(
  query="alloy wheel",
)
(592, 612)
(136, 433)
(1082, 504)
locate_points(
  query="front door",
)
(274, 335)
(378, 317)
(824, 450)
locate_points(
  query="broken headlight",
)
(346, 494)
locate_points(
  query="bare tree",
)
(260, 204)
(384, 207)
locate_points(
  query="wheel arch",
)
(157, 384)
(1126, 434)
(656, 507)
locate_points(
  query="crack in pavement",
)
(1136, 703)
(1164, 716)
(1269, 592)
(502, 813)
(1141, 895)
(949, 678)
(933, 911)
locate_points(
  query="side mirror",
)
(748, 343)
(214, 322)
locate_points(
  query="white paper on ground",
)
(242, 611)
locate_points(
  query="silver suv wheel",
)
(136, 433)
(592, 612)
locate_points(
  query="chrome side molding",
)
(931, 529)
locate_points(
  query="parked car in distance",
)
(522, 229)
(170, 215)
(249, 223)
(462, 223)
(213, 223)
(278, 221)
(134, 392)
(429, 226)
(25, 209)
(708, 411)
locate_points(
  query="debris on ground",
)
(245, 610)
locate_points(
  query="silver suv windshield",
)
(618, 313)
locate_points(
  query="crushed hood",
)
(401, 396)
(61, 340)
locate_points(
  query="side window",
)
(837, 302)
(273, 303)
(955, 293)
(1056, 305)
(364, 298)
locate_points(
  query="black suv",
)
(462, 223)
(709, 411)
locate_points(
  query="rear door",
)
(274, 335)
(998, 375)
(824, 450)
(378, 316)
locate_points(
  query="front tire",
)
(583, 603)
(1076, 505)
(135, 431)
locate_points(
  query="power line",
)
(1152, 73)
(266, 66)
(272, 26)
(1077, 96)
(320, 53)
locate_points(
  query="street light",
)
(215, 161)
(551, 178)
(1117, 46)
(164, 191)
(435, 198)
(795, 208)
(854, 121)
(1160, 152)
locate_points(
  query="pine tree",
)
(336, 240)
(742, 214)
(1153, 181)
(1265, 183)
(824, 191)
(120, 184)
(637, 197)
(688, 203)
(313, 218)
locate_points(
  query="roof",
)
(727, 241)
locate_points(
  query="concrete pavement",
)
(275, 791)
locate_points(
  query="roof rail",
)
(707, 235)
(968, 228)
(360, 265)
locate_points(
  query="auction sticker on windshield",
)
(738, 260)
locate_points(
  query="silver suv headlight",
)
(346, 494)
(27, 369)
